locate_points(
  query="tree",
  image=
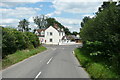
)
(104, 30)
(74, 33)
(105, 5)
(67, 32)
(52, 21)
(85, 19)
(41, 21)
(23, 25)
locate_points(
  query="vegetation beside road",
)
(14, 40)
(100, 54)
(20, 55)
(96, 68)
(18, 45)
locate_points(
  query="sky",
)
(68, 12)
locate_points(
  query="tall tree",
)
(40, 21)
(105, 5)
(67, 32)
(74, 33)
(23, 25)
(52, 21)
(85, 19)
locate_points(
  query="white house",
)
(51, 35)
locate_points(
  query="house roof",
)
(56, 27)
(69, 37)
(40, 30)
(73, 36)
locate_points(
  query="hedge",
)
(14, 40)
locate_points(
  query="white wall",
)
(55, 35)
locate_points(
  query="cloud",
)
(3, 5)
(53, 13)
(19, 12)
(88, 15)
(31, 19)
(32, 1)
(41, 6)
(72, 28)
(12, 16)
(75, 7)
(7, 21)
(81, 0)
(69, 21)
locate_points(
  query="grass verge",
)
(20, 55)
(95, 69)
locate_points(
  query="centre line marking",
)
(38, 75)
(49, 60)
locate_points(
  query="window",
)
(51, 33)
(59, 33)
(50, 40)
(42, 33)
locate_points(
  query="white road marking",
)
(38, 75)
(49, 60)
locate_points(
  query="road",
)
(55, 62)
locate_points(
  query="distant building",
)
(51, 35)
(71, 38)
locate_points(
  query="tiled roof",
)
(57, 28)
(69, 37)
(39, 30)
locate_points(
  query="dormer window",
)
(42, 33)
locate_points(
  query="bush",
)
(8, 42)
(33, 39)
(14, 40)
(96, 69)
(101, 36)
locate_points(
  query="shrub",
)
(33, 39)
(8, 42)
(14, 40)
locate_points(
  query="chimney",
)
(55, 26)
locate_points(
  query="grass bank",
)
(20, 55)
(95, 68)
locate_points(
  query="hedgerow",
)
(13, 40)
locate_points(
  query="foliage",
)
(33, 39)
(97, 70)
(23, 25)
(41, 21)
(44, 22)
(14, 40)
(85, 19)
(101, 35)
(67, 32)
(52, 22)
(74, 33)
